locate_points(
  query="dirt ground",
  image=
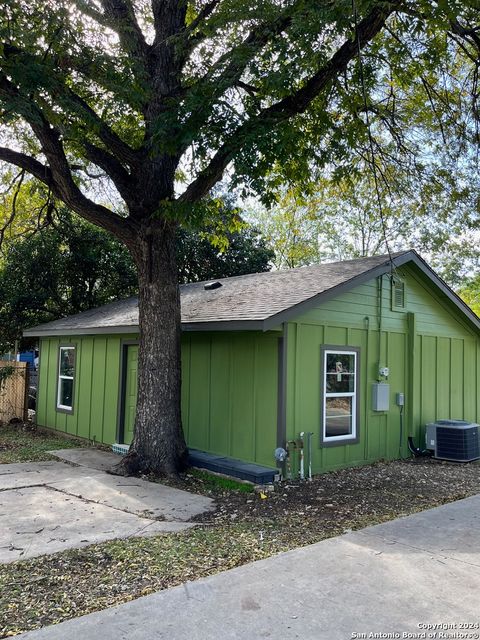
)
(349, 498)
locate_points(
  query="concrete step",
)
(255, 473)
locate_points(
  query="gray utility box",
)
(455, 440)
(380, 396)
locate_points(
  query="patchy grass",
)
(212, 482)
(245, 527)
(54, 588)
(25, 443)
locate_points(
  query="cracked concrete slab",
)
(40, 520)
(136, 496)
(47, 507)
(14, 476)
(130, 494)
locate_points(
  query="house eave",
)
(225, 325)
(84, 331)
(445, 289)
(324, 296)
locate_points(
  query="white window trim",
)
(350, 394)
(61, 377)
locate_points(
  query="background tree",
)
(25, 206)
(65, 268)
(162, 97)
(470, 292)
(71, 265)
(436, 211)
(241, 252)
(413, 131)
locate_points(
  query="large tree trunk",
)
(158, 444)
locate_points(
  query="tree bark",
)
(158, 443)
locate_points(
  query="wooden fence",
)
(13, 391)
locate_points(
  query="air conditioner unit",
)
(455, 440)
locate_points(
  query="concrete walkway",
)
(47, 507)
(395, 578)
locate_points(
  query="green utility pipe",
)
(379, 321)
(412, 371)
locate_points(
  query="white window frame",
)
(60, 377)
(352, 436)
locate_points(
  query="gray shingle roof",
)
(262, 295)
(255, 301)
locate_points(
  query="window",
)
(66, 372)
(340, 404)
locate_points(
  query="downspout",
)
(412, 368)
(367, 403)
(38, 380)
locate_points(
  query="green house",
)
(325, 349)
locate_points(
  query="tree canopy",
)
(198, 259)
(437, 213)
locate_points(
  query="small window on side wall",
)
(66, 378)
(339, 395)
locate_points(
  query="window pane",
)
(67, 362)
(338, 417)
(66, 392)
(340, 373)
(340, 383)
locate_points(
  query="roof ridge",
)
(302, 267)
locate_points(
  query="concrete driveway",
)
(416, 577)
(51, 506)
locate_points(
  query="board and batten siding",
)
(96, 385)
(229, 394)
(229, 391)
(432, 352)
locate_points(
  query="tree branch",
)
(236, 60)
(164, 62)
(58, 174)
(249, 88)
(13, 212)
(292, 105)
(470, 34)
(28, 164)
(105, 133)
(92, 12)
(112, 167)
(95, 213)
(64, 93)
(120, 15)
(203, 14)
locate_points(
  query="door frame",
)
(124, 345)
